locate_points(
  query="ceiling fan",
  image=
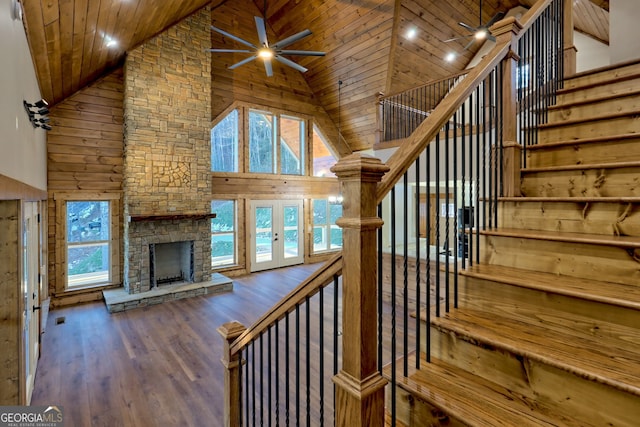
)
(481, 32)
(267, 51)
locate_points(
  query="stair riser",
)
(617, 88)
(592, 402)
(583, 154)
(613, 182)
(574, 316)
(593, 218)
(413, 411)
(587, 261)
(590, 129)
(627, 104)
(603, 77)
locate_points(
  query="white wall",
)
(23, 151)
(624, 18)
(591, 53)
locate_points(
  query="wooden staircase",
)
(547, 332)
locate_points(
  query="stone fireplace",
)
(162, 249)
(167, 183)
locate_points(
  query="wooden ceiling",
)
(364, 40)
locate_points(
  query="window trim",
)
(61, 265)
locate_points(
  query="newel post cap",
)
(359, 164)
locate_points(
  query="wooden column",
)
(511, 150)
(232, 408)
(359, 385)
(569, 48)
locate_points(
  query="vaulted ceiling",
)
(364, 40)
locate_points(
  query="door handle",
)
(36, 308)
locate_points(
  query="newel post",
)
(511, 149)
(569, 48)
(359, 385)
(232, 407)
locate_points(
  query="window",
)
(223, 233)
(292, 137)
(261, 142)
(276, 143)
(224, 144)
(523, 76)
(322, 157)
(326, 234)
(88, 243)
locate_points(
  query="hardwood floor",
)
(158, 365)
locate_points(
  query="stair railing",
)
(446, 179)
(276, 372)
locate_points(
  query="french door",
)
(276, 234)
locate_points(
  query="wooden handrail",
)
(507, 32)
(318, 279)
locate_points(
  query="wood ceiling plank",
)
(79, 30)
(66, 43)
(38, 43)
(90, 35)
(53, 51)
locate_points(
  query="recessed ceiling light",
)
(412, 33)
(110, 42)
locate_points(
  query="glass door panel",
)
(276, 240)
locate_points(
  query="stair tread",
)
(630, 242)
(601, 117)
(597, 139)
(615, 165)
(628, 74)
(588, 357)
(593, 100)
(475, 400)
(604, 199)
(619, 294)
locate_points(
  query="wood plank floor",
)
(158, 365)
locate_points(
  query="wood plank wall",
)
(85, 158)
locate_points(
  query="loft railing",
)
(400, 114)
(277, 370)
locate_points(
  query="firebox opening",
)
(171, 263)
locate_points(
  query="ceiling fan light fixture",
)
(450, 57)
(481, 34)
(265, 53)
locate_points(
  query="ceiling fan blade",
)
(267, 67)
(468, 27)
(491, 37)
(291, 39)
(244, 61)
(473, 40)
(262, 31)
(232, 37)
(498, 16)
(301, 52)
(228, 50)
(290, 63)
(457, 38)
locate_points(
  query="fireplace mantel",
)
(170, 217)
